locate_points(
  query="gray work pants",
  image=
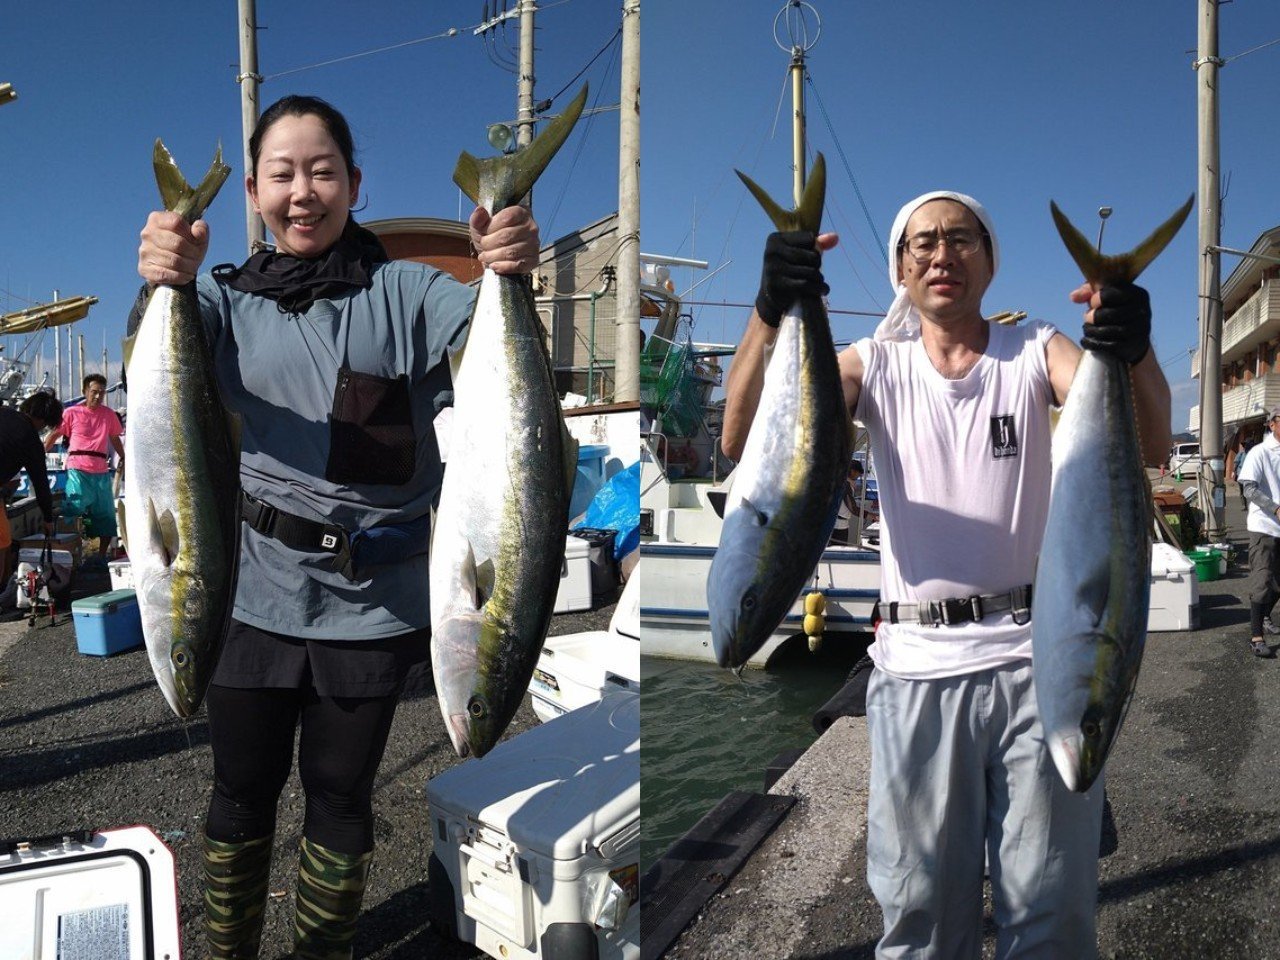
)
(959, 769)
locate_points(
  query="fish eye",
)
(749, 602)
(1090, 729)
(475, 707)
(180, 657)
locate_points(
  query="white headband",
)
(903, 321)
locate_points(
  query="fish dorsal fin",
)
(178, 195)
(498, 182)
(1124, 267)
(162, 533)
(807, 216)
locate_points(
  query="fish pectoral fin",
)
(758, 516)
(122, 526)
(486, 577)
(162, 533)
(570, 447)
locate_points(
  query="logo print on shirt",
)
(1004, 437)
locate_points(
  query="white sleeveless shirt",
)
(963, 468)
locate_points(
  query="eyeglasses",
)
(923, 246)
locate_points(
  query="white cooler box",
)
(576, 670)
(1175, 591)
(537, 845)
(97, 896)
(575, 577)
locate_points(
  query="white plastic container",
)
(579, 668)
(1175, 592)
(537, 851)
(574, 592)
(121, 574)
(107, 895)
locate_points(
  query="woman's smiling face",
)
(302, 187)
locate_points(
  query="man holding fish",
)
(958, 411)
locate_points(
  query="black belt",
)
(956, 610)
(295, 532)
(86, 453)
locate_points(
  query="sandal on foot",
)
(1260, 649)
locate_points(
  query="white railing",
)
(1244, 330)
(1246, 401)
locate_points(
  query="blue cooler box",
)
(108, 623)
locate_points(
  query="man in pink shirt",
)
(90, 428)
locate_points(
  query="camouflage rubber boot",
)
(235, 896)
(330, 890)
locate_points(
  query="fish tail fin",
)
(499, 182)
(178, 195)
(807, 216)
(1123, 267)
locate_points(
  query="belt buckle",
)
(954, 611)
(264, 518)
(975, 608)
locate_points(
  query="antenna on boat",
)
(795, 16)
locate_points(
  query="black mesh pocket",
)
(371, 437)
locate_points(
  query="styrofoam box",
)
(574, 592)
(537, 845)
(1175, 591)
(112, 894)
(576, 670)
(108, 623)
(121, 574)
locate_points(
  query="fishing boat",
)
(684, 482)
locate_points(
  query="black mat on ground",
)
(674, 889)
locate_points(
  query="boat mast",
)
(796, 19)
(1210, 292)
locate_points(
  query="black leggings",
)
(343, 739)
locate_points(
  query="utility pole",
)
(57, 359)
(249, 80)
(524, 86)
(626, 371)
(798, 128)
(1210, 293)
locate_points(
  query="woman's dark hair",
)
(44, 407)
(296, 105)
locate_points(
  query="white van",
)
(1184, 458)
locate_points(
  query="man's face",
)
(93, 395)
(948, 285)
(1275, 428)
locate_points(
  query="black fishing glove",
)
(792, 271)
(1122, 325)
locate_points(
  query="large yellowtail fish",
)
(786, 489)
(1092, 585)
(500, 530)
(181, 488)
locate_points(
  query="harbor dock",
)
(1190, 863)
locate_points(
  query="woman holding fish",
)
(964, 740)
(333, 360)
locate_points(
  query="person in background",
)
(92, 430)
(1245, 447)
(1259, 478)
(20, 448)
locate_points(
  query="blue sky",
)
(97, 83)
(1090, 103)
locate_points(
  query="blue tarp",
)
(616, 506)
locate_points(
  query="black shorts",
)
(253, 658)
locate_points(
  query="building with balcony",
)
(1250, 346)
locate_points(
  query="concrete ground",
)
(1194, 793)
